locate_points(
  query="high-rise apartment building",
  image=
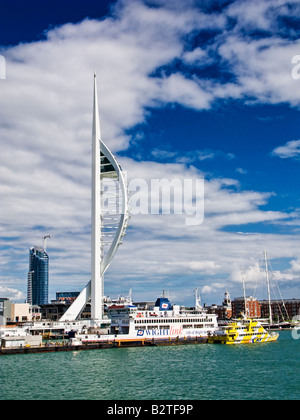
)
(38, 276)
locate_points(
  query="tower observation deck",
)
(109, 218)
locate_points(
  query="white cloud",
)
(241, 171)
(262, 15)
(290, 150)
(189, 93)
(198, 57)
(12, 294)
(190, 157)
(262, 69)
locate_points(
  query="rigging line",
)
(261, 270)
(276, 299)
(282, 300)
(254, 292)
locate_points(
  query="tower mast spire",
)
(96, 275)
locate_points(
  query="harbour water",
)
(268, 371)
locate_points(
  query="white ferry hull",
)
(145, 335)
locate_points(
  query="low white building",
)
(16, 337)
(17, 312)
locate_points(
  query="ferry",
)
(161, 322)
(243, 331)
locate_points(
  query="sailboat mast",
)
(268, 285)
(244, 288)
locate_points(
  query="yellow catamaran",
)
(243, 331)
(246, 330)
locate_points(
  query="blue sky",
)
(194, 89)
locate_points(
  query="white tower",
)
(227, 300)
(198, 306)
(109, 220)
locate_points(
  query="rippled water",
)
(260, 371)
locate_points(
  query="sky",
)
(187, 90)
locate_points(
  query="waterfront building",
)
(67, 297)
(54, 310)
(227, 306)
(13, 313)
(284, 309)
(223, 311)
(35, 312)
(2, 306)
(38, 276)
(249, 305)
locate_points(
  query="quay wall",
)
(101, 345)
